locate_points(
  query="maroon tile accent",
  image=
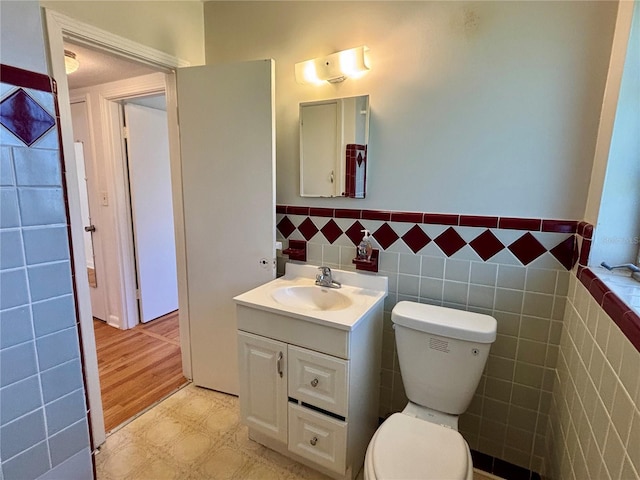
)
(354, 232)
(450, 241)
(408, 217)
(385, 236)
(321, 212)
(585, 230)
(580, 229)
(368, 265)
(376, 215)
(307, 228)
(527, 248)
(478, 221)
(347, 213)
(566, 252)
(286, 227)
(331, 231)
(486, 245)
(615, 307)
(25, 78)
(559, 226)
(24, 117)
(631, 328)
(586, 276)
(598, 290)
(440, 219)
(531, 224)
(584, 252)
(281, 209)
(291, 210)
(356, 160)
(297, 250)
(416, 239)
(588, 231)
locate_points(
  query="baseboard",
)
(501, 468)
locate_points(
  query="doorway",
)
(217, 204)
(137, 365)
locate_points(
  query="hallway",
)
(138, 367)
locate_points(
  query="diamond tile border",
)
(525, 248)
(571, 250)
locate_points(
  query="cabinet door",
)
(263, 384)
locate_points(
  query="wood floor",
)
(137, 367)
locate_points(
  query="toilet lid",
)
(406, 447)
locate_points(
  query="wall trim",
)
(454, 219)
(95, 37)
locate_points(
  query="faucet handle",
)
(325, 270)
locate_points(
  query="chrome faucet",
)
(325, 279)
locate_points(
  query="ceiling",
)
(97, 67)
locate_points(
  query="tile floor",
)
(195, 434)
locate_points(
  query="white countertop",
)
(365, 292)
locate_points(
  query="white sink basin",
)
(296, 295)
(311, 297)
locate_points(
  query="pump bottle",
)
(365, 248)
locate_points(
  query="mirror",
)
(333, 147)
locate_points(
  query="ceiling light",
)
(71, 64)
(334, 68)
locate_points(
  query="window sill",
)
(621, 283)
(618, 295)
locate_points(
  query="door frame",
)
(58, 28)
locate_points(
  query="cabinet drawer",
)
(317, 379)
(318, 438)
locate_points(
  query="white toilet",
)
(442, 353)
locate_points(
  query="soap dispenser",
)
(365, 248)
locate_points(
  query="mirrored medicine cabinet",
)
(334, 135)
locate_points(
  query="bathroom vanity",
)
(309, 359)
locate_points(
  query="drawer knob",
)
(313, 441)
(314, 384)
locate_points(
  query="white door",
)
(89, 207)
(263, 385)
(227, 141)
(151, 210)
(320, 149)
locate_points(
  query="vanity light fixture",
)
(334, 68)
(71, 63)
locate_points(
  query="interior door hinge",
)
(125, 132)
(138, 296)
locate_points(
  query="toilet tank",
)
(442, 353)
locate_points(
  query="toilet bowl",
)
(406, 448)
(442, 354)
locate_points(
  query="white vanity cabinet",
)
(310, 390)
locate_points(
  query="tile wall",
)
(43, 412)
(513, 269)
(594, 422)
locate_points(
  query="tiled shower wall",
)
(594, 427)
(513, 269)
(43, 414)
